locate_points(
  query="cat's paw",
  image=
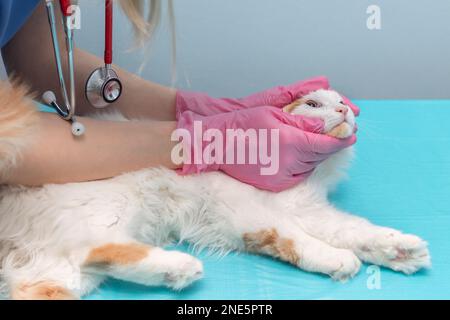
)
(345, 265)
(184, 271)
(401, 252)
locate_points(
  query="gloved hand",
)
(279, 97)
(300, 144)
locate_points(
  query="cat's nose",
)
(342, 109)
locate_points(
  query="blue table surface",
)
(400, 178)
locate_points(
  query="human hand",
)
(279, 97)
(296, 146)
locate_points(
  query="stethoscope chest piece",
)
(103, 87)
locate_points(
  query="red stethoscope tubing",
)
(108, 31)
(109, 13)
(65, 4)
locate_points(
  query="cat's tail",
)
(18, 122)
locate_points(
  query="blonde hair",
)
(144, 25)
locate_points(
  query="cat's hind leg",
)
(143, 264)
(373, 244)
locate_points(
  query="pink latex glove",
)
(278, 97)
(301, 146)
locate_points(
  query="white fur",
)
(46, 233)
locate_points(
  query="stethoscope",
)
(103, 87)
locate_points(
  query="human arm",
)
(140, 98)
(107, 150)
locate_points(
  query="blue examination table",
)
(400, 178)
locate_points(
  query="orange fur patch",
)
(18, 119)
(291, 107)
(42, 291)
(341, 131)
(269, 242)
(119, 254)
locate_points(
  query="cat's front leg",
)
(373, 244)
(291, 244)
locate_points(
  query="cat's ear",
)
(291, 107)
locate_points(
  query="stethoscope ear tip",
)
(49, 97)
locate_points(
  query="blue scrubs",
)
(13, 14)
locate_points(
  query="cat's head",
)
(328, 105)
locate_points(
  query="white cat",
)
(62, 241)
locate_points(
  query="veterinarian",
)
(110, 148)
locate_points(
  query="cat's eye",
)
(313, 104)
(342, 102)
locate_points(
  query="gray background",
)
(235, 47)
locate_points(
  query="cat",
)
(62, 241)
